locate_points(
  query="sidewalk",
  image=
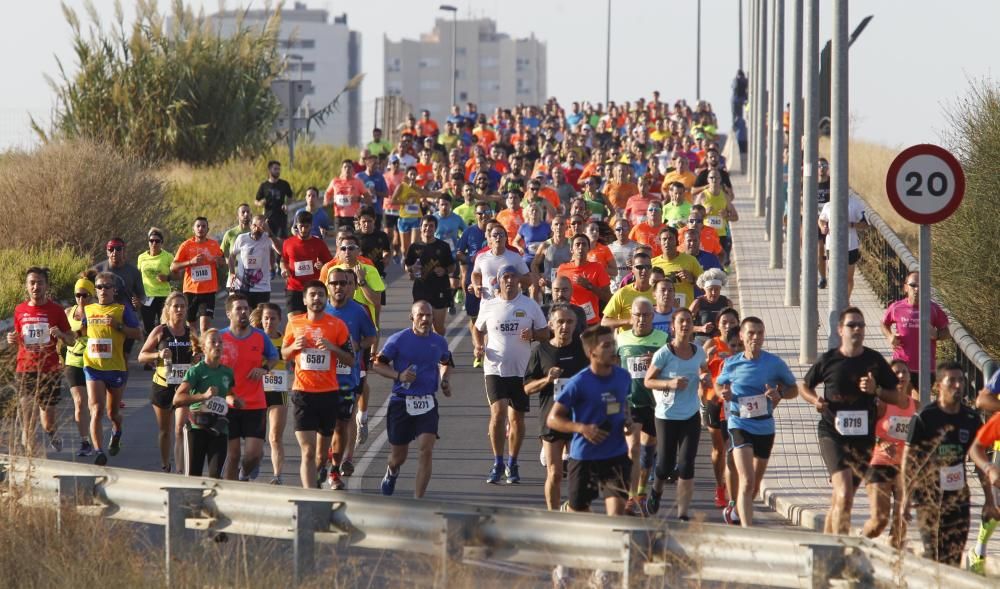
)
(796, 484)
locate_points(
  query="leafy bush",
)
(966, 257)
(181, 92)
(77, 193)
(63, 263)
(215, 192)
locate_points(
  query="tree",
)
(179, 91)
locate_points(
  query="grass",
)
(63, 263)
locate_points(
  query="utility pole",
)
(777, 207)
(839, 188)
(793, 251)
(809, 313)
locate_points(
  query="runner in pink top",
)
(347, 193)
(883, 481)
(905, 315)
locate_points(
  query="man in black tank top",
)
(852, 376)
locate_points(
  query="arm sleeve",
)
(887, 318)
(885, 378)
(390, 350)
(534, 369)
(813, 376)
(939, 318)
(785, 375)
(270, 352)
(367, 326)
(724, 377)
(129, 318)
(538, 319)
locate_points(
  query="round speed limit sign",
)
(925, 184)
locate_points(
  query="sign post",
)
(925, 184)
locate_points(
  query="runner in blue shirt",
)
(593, 406)
(450, 225)
(473, 239)
(417, 360)
(752, 383)
(342, 283)
(373, 174)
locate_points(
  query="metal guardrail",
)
(682, 554)
(885, 262)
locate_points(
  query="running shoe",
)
(101, 459)
(459, 296)
(730, 515)
(320, 476)
(451, 309)
(822, 282)
(683, 518)
(347, 468)
(653, 501)
(632, 507)
(975, 563)
(85, 449)
(564, 506)
(55, 442)
(116, 443)
(362, 432)
(389, 482)
(560, 577)
(336, 483)
(165, 469)
(512, 474)
(255, 472)
(720, 496)
(477, 362)
(494, 476)
(276, 481)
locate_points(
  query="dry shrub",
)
(966, 256)
(63, 263)
(77, 193)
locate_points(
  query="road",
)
(462, 456)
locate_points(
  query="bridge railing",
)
(637, 548)
(885, 262)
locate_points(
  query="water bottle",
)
(417, 267)
(406, 385)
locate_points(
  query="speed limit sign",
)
(925, 184)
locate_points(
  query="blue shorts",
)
(408, 224)
(471, 304)
(114, 379)
(402, 428)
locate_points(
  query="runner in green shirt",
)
(635, 349)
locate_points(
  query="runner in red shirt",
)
(38, 323)
(591, 285)
(302, 258)
(346, 193)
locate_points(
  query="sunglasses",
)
(913, 285)
(338, 282)
(483, 213)
(694, 221)
(116, 248)
(348, 248)
(155, 240)
(854, 324)
(104, 286)
(82, 295)
(641, 267)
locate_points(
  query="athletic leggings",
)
(202, 445)
(677, 445)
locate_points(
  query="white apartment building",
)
(492, 68)
(325, 52)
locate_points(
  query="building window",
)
(393, 65)
(430, 84)
(486, 62)
(463, 96)
(393, 88)
(523, 87)
(305, 66)
(426, 62)
(297, 43)
(460, 51)
(489, 85)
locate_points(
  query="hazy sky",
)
(914, 60)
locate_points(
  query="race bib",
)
(611, 405)
(588, 311)
(680, 299)
(533, 247)
(314, 359)
(253, 262)
(343, 368)
(898, 427)
(276, 381)
(852, 423)
(664, 397)
(412, 209)
(35, 334)
(304, 268)
(201, 273)
(342, 200)
(714, 222)
(558, 385)
(418, 405)
(215, 405)
(176, 372)
(100, 348)
(753, 406)
(952, 477)
(637, 366)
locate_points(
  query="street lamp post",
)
(697, 75)
(607, 62)
(454, 27)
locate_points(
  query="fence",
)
(681, 554)
(885, 262)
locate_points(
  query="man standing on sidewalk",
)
(853, 376)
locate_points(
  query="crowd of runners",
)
(589, 250)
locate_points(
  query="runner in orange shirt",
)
(647, 232)
(709, 237)
(620, 188)
(718, 349)
(591, 284)
(513, 216)
(635, 208)
(200, 258)
(428, 126)
(315, 343)
(599, 252)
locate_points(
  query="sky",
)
(915, 60)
